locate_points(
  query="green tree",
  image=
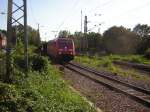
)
(144, 44)
(120, 40)
(64, 34)
(94, 42)
(3, 31)
(91, 42)
(33, 34)
(142, 30)
(144, 34)
(77, 40)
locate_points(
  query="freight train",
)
(61, 49)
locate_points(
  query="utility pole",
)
(80, 38)
(13, 20)
(38, 27)
(9, 38)
(99, 31)
(81, 21)
(38, 30)
(85, 32)
(85, 24)
(25, 36)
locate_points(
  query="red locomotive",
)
(62, 49)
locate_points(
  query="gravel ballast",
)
(104, 98)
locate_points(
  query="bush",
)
(2, 55)
(136, 59)
(8, 98)
(39, 63)
(37, 92)
(36, 62)
(19, 61)
(13, 99)
(147, 53)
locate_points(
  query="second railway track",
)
(137, 66)
(137, 93)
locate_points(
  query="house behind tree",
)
(2, 41)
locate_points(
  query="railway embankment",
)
(41, 90)
(109, 100)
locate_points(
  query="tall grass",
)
(130, 58)
(42, 90)
(105, 63)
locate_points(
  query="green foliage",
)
(144, 44)
(14, 99)
(8, 98)
(18, 55)
(2, 55)
(3, 31)
(64, 34)
(91, 42)
(42, 90)
(36, 63)
(19, 61)
(142, 30)
(41, 93)
(33, 35)
(136, 60)
(116, 40)
(147, 53)
(119, 40)
(94, 42)
(77, 40)
(2, 65)
(39, 63)
(104, 63)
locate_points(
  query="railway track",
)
(137, 93)
(133, 65)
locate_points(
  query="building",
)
(2, 41)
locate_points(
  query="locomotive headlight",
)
(59, 52)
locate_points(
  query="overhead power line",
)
(32, 13)
(68, 16)
(133, 10)
(101, 5)
(95, 26)
(137, 8)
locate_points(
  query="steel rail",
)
(143, 67)
(137, 93)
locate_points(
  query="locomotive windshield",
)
(65, 43)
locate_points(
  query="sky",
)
(55, 15)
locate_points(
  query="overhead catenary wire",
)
(75, 4)
(95, 26)
(32, 13)
(132, 10)
(68, 16)
(138, 7)
(101, 5)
